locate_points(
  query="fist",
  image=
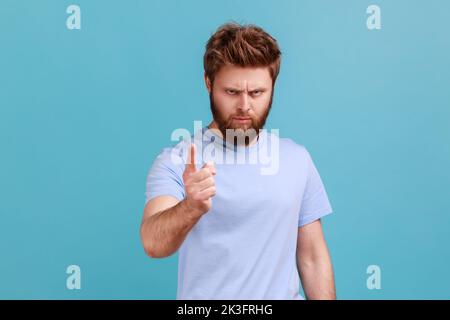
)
(199, 184)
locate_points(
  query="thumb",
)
(210, 166)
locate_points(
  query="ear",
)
(207, 83)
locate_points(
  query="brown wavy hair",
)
(244, 46)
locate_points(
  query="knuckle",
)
(206, 172)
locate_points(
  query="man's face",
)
(240, 98)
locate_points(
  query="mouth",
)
(242, 119)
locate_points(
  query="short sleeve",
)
(315, 203)
(165, 176)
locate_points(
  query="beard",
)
(241, 132)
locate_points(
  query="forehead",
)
(236, 76)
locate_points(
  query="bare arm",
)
(167, 221)
(163, 231)
(314, 263)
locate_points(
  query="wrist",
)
(191, 211)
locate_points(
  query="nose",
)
(244, 102)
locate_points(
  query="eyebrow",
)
(239, 90)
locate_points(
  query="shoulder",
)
(297, 154)
(172, 156)
(175, 156)
(293, 147)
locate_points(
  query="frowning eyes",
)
(254, 93)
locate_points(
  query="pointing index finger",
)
(191, 158)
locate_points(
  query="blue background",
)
(84, 112)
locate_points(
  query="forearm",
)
(317, 276)
(163, 233)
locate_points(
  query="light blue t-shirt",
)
(244, 247)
